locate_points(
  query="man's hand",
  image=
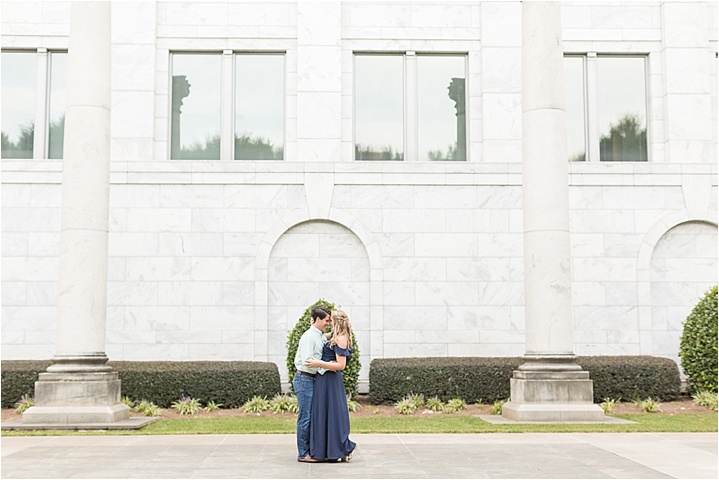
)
(312, 362)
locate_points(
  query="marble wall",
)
(217, 260)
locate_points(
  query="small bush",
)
(405, 406)
(706, 399)
(187, 405)
(435, 404)
(352, 405)
(256, 404)
(148, 408)
(128, 402)
(284, 403)
(649, 405)
(497, 406)
(25, 402)
(698, 344)
(608, 405)
(351, 372)
(212, 406)
(455, 405)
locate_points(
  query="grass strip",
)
(688, 422)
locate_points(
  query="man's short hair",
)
(319, 312)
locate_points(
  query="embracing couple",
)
(323, 422)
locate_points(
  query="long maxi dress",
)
(330, 421)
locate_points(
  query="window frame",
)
(592, 134)
(41, 121)
(227, 114)
(410, 102)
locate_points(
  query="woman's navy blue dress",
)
(330, 422)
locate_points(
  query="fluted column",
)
(79, 387)
(550, 386)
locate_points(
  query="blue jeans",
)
(304, 388)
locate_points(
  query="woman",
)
(330, 421)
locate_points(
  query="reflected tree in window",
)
(22, 147)
(626, 141)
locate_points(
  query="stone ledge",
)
(500, 420)
(132, 423)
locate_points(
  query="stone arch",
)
(676, 263)
(289, 279)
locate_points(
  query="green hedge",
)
(228, 383)
(487, 378)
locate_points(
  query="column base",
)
(557, 395)
(76, 398)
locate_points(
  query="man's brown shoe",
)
(307, 459)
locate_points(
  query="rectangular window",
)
(606, 103)
(33, 103)
(410, 107)
(214, 95)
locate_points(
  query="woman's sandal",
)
(347, 458)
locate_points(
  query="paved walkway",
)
(495, 455)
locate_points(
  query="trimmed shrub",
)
(698, 345)
(228, 383)
(470, 378)
(352, 369)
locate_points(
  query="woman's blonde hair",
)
(341, 326)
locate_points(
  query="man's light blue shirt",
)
(310, 345)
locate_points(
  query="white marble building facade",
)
(216, 260)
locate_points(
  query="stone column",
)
(79, 388)
(550, 386)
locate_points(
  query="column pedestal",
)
(553, 389)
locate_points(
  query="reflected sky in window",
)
(574, 87)
(438, 127)
(259, 106)
(57, 102)
(379, 107)
(196, 95)
(18, 101)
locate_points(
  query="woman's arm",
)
(339, 364)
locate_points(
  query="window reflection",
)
(574, 85)
(621, 94)
(259, 107)
(379, 107)
(441, 108)
(58, 90)
(18, 104)
(195, 107)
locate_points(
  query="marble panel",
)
(398, 293)
(447, 336)
(132, 293)
(665, 343)
(501, 70)
(13, 338)
(685, 24)
(137, 105)
(587, 244)
(30, 219)
(159, 219)
(602, 269)
(238, 293)
(409, 317)
(389, 196)
(293, 293)
(189, 293)
(157, 269)
(194, 196)
(318, 115)
(189, 337)
(197, 245)
(261, 14)
(161, 352)
(405, 350)
(346, 293)
(256, 196)
(213, 317)
(377, 15)
(499, 197)
(686, 270)
(223, 269)
(41, 293)
(34, 269)
(606, 318)
(132, 67)
(28, 318)
(134, 22)
(622, 16)
(241, 244)
(688, 118)
(444, 15)
(445, 245)
(310, 269)
(135, 337)
(124, 244)
(14, 293)
(686, 71)
(319, 69)
(622, 245)
(405, 220)
(188, 13)
(156, 318)
(405, 269)
(602, 221)
(501, 293)
(500, 245)
(15, 244)
(446, 293)
(589, 293)
(501, 336)
(44, 244)
(478, 268)
(44, 195)
(501, 24)
(576, 16)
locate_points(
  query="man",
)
(310, 345)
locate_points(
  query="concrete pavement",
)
(494, 455)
